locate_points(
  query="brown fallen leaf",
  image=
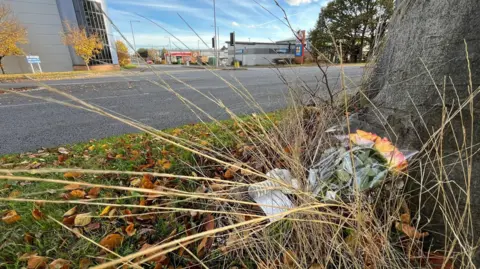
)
(94, 192)
(28, 238)
(37, 262)
(69, 221)
(27, 256)
(83, 219)
(62, 158)
(146, 182)
(130, 229)
(410, 231)
(112, 241)
(11, 217)
(70, 212)
(59, 264)
(37, 214)
(72, 187)
(72, 175)
(92, 227)
(78, 194)
(405, 218)
(84, 263)
(228, 174)
(206, 242)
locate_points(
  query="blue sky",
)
(247, 18)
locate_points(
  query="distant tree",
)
(352, 23)
(143, 52)
(164, 51)
(122, 52)
(11, 34)
(153, 54)
(85, 45)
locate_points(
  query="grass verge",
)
(8, 78)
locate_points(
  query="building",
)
(44, 22)
(260, 53)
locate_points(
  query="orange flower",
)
(395, 159)
(363, 138)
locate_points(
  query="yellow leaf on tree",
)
(11, 217)
(11, 34)
(85, 45)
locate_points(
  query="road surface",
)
(27, 124)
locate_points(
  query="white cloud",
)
(235, 24)
(299, 2)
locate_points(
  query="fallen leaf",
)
(62, 158)
(84, 263)
(228, 174)
(130, 229)
(104, 146)
(77, 232)
(112, 213)
(127, 213)
(94, 192)
(164, 152)
(105, 211)
(78, 194)
(405, 218)
(91, 148)
(206, 241)
(62, 150)
(204, 143)
(112, 241)
(27, 256)
(210, 223)
(14, 194)
(11, 217)
(37, 214)
(59, 264)
(70, 212)
(164, 163)
(72, 187)
(92, 227)
(69, 221)
(83, 219)
(72, 175)
(147, 182)
(119, 156)
(410, 231)
(37, 262)
(28, 238)
(135, 182)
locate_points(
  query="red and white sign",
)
(180, 53)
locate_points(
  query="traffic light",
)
(232, 39)
(213, 42)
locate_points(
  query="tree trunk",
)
(1, 66)
(88, 67)
(429, 35)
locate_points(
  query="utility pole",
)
(134, 45)
(215, 27)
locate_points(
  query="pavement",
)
(27, 124)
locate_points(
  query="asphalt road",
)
(27, 124)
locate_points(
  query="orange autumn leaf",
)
(164, 163)
(37, 262)
(363, 138)
(130, 229)
(77, 194)
(146, 182)
(11, 217)
(410, 231)
(94, 192)
(84, 263)
(229, 174)
(28, 238)
(37, 214)
(112, 241)
(69, 221)
(72, 175)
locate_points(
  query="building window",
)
(90, 16)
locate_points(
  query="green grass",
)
(126, 153)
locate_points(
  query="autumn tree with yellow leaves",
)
(85, 45)
(11, 34)
(122, 52)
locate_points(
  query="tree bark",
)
(423, 59)
(1, 66)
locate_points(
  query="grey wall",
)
(67, 13)
(43, 23)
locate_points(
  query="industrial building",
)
(44, 22)
(262, 53)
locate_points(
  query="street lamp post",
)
(169, 43)
(134, 45)
(215, 27)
